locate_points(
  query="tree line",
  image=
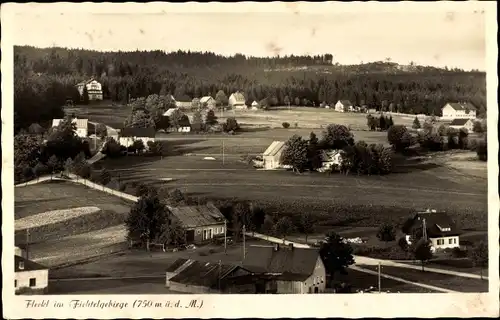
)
(45, 79)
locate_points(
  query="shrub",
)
(482, 150)
(478, 127)
(285, 125)
(399, 137)
(403, 244)
(458, 253)
(386, 233)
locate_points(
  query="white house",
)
(29, 276)
(457, 110)
(208, 102)
(458, 124)
(271, 157)
(440, 229)
(94, 89)
(286, 269)
(82, 126)
(129, 135)
(255, 105)
(237, 100)
(344, 106)
(330, 160)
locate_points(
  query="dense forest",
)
(45, 79)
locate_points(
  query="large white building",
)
(455, 110)
(94, 89)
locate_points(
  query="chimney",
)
(21, 265)
(276, 247)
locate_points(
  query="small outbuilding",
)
(271, 157)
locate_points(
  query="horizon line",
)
(361, 62)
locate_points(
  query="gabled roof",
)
(28, 265)
(439, 224)
(169, 112)
(274, 148)
(293, 264)
(345, 102)
(328, 155)
(198, 216)
(80, 123)
(255, 103)
(206, 99)
(201, 273)
(239, 97)
(459, 122)
(138, 132)
(461, 106)
(86, 82)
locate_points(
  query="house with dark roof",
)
(94, 89)
(440, 229)
(29, 276)
(344, 106)
(129, 135)
(192, 276)
(237, 100)
(462, 123)
(458, 110)
(202, 223)
(271, 157)
(285, 269)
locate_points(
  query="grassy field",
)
(436, 279)
(336, 200)
(62, 240)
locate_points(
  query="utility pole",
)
(379, 281)
(223, 155)
(225, 236)
(27, 243)
(219, 274)
(424, 230)
(244, 249)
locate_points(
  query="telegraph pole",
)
(219, 274)
(225, 236)
(424, 231)
(244, 249)
(27, 243)
(223, 155)
(379, 281)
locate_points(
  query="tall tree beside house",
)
(479, 256)
(336, 137)
(52, 164)
(221, 98)
(313, 152)
(399, 137)
(243, 213)
(211, 119)
(257, 216)
(306, 225)
(386, 233)
(231, 125)
(197, 124)
(416, 123)
(175, 118)
(336, 255)
(268, 225)
(85, 95)
(146, 219)
(283, 227)
(172, 232)
(477, 127)
(140, 119)
(422, 251)
(295, 153)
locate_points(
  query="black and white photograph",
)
(334, 152)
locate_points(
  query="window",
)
(32, 282)
(450, 241)
(15, 283)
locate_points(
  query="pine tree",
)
(416, 124)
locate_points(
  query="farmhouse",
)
(30, 277)
(129, 135)
(271, 157)
(202, 223)
(237, 100)
(208, 102)
(285, 269)
(440, 229)
(462, 124)
(455, 110)
(343, 106)
(330, 160)
(82, 126)
(191, 276)
(94, 89)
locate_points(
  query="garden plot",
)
(53, 216)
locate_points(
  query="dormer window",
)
(443, 229)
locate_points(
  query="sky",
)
(437, 36)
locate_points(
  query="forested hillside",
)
(45, 78)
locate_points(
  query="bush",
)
(285, 125)
(458, 253)
(403, 244)
(391, 253)
(482, 150)
(399, 137)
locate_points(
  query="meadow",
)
(55, 239)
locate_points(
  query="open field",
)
(57, 240)
(439, 280)
(335, 200)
